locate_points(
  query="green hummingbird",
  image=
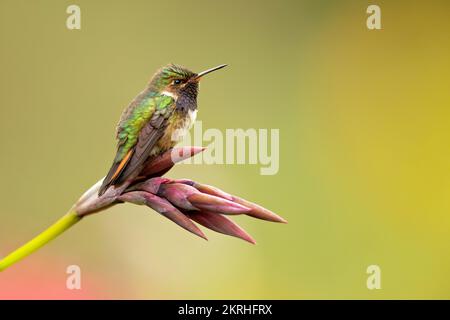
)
(154, 121)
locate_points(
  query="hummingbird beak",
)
(201, 74)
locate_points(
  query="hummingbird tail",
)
(114, 172)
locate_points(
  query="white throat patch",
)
(170, 94)
(192, 116)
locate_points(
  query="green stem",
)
(52, 232)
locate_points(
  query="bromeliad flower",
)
(146, 135)
(183, 201)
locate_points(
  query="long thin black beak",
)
(201, 74)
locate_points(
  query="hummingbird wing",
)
(141, 126)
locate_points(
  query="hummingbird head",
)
(176, 81)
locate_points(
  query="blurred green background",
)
(364, 166)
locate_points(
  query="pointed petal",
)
(182, 153)
(212, 203)
(164, 207)
(177, 194)
(165, 162)
(151, 185)
(220, 223)
(204, 188)
(135, 197)
(189, 182)
(259, 212)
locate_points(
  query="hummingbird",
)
(154, 121)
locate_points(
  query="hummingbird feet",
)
(184, 201)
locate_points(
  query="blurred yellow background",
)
(364, 139)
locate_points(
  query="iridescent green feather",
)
(129, 128)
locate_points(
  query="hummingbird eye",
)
(176, 81)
